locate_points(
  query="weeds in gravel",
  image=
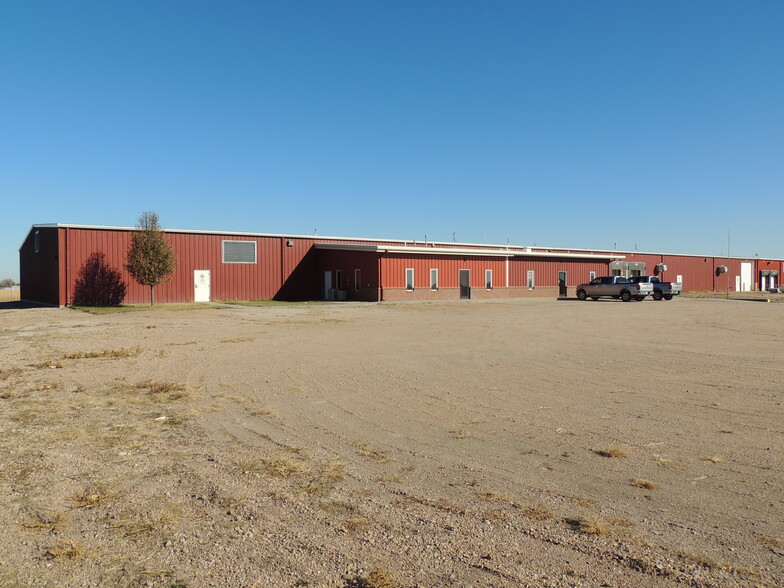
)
(491, 497)
(53, 523)
(379, 577)
(662, 461)
(165, 391)
(283, 466)
(105, 353)
(538, 514)
(642, 483)
(50, 364)
(356, 524)
(376, 455)
(93, 496)
(587, 525)
(326, 478)
(610, 452)
(64, 550)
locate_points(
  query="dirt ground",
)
(511, 443)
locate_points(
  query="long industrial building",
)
(215, 265)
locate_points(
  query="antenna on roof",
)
(453, 237)
(425, 240)
(315, 231)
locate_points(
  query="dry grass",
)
(491, 497)
(376, 455)
(264, 412)
(9, 294)
(771, 542)
(53, 523)
(248, 466)
(714, 459)
(379, 577)
(642, 483)
(662, 461)
(537, 514)
(356, 524)
(588, 525)
(6, 373)
(165, 391)
(326, 478)
(50, 364)
(64, 550)
(610, 452)
(93, 496)
(105, 353)
(283, 466)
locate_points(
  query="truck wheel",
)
(668, 296)
(626, 296)
(581, 295)
(657, 295)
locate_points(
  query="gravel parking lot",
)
(507, 443)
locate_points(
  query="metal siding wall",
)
(39, 272)
(546, 271)
(394, 270)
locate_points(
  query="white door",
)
(201, 285)
(737, 283)
(327, 284)
(745, 276)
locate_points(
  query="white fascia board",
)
(456, 251)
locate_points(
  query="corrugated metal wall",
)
(39, 273)
(291, 268)
(393, 270)
(546, 270)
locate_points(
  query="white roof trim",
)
(434, 250)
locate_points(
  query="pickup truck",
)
(614, 287)
(661, 289)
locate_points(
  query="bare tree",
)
(8, 283)
(151, 259)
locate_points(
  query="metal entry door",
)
(465, 283)
(201, 285)
(562, 284)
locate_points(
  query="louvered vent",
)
(239, 252)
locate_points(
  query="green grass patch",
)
(271, 302)
(138, 307)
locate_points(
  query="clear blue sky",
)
(573, 124)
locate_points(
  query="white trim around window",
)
(238, 251)
(488, 279)
(434, 278)
(410, 279)
(530, 280)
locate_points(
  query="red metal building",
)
(243, 266)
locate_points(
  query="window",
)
(357, 280)
(37, 241)
(591, 276)
(409, 278)
(239, 252)
(489, 279)
(434, 279)
(531, 279)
